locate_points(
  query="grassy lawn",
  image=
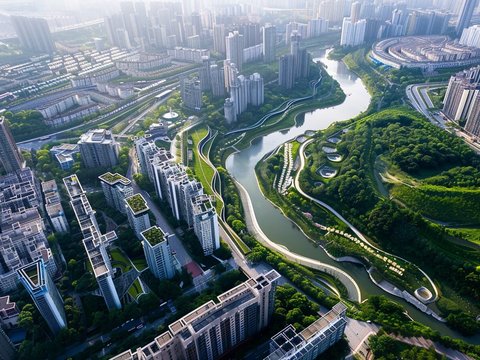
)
(135, 290)
(470, 234)
(140, 264)
(202, 170)
(120, 260)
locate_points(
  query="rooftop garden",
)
(113, 178)
(154, 235)
(137, 203)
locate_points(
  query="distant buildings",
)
(234, 44)
(205, 224)
(245, 91)
(137, 212)
(269, 37)
(116, 189)
(157, 252)
(191, 92)
(67, 109)
(217, 81)
(219, 38)
(98, 149)
(213, 329)
(471, 36)
(295, 65)
(229, 111)
(34, 34)
(188, 54)
(311, 341)
(462, 99)
(465, 15)
(94, 242)
(54, 207)
(353, 33)
(39, 285)
(10, 156)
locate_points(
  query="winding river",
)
(242, 167)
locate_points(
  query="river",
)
(241, 166)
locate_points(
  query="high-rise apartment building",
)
(40, 286)
(465, 15)
(217, 81)
(54, 207)
(353, 33)
(34, 34)
(229, 111)
(286, 73)
(269, 35)
(116, 189)
(10, 156)
(234, 45)
(205, 224)
(311, 341)
(251, 34)
(94, 242)
(214, 329)
(191, 93)
(316, 27)
(205, 76)
(98, 149)
(145, 150)
(219, 38)
(157, 252)
(295, 65)
(471, 36)
(137, 213)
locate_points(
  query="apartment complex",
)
(462, 99)
(98, 148)
(10, 156)
(22, 237)
(94, 242)
(39, 285)
(137, 213)
(116, 189)
(295, 65)
(183, 194)
(311, 341)
(157, 252)
(214, 329)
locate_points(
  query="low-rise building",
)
(8, 312)
(65, 155)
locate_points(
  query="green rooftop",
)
(137, 203)
(112, 179)
(154, 235)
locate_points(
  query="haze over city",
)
(217, 179)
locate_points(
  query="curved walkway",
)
(341, 218)
(353, 289)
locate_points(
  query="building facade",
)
(214, 329)
(10, 156)
(137, 213)
(205, 224)
(157, 252)
(98, 148)
(116, 189)
(40, 286)
(34, 34)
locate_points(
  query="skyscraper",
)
(137, 213)
(217, 81)
(219, 38)
(10, 155)
(205, 224)
(229, 111)
(353, 33)
(234, 45)
(34, 34)
(465, 15)
(286, 73)
(269, 34)
(191, 93)
(44, 293)
(98, 148)
(157, 252)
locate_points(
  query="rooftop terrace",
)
(137, 204)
